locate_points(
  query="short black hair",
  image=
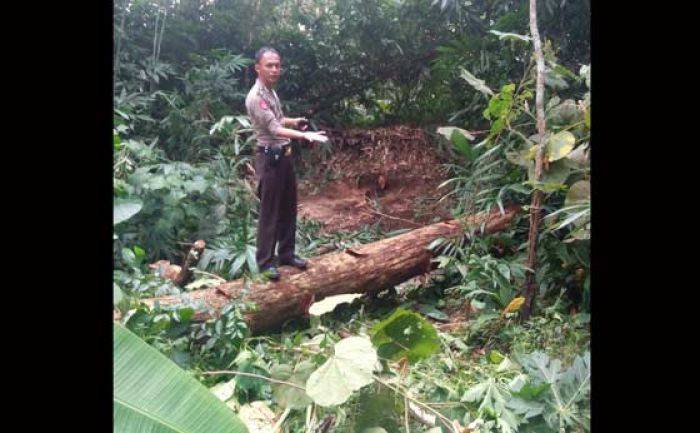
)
(262, 51)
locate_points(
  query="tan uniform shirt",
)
(265, 112)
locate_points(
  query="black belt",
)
(274, 154)
(285, 148)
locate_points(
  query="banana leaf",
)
(152, 394)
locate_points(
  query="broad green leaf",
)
(517, 382)
(405, 334)
(578, 158)
(553, 102)
(530, 392)
(117, 294)
(288, 396)
(506, 365)
(379, 407)
(554, 80)
(523, 157)
(527, 409)
(575, 383)
(125, 209)
(557, 174)
(559, 145)
(541, 367)
(579, 194)
(462, 145)
(153, 395)
(349, 369)
(249, 361)
(128, 255)
(496, 357)
(329, 303)
(566, 113)
(478, 84)
(458, 137)
(139, 252)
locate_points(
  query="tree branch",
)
(257, 376)
(539, 160)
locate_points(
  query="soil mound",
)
(386, 175)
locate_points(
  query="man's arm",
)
(258, 109)
(298, 135)
(293, 121)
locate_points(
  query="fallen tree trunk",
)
(364, 268)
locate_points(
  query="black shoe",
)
(271, 273)
(295, 261)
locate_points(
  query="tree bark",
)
(539, 160)
(364, 268)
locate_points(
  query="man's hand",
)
(319, 136)
(297, 120)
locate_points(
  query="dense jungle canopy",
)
(428, 315)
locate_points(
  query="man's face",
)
(269, 68)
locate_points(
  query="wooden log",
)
(364, 268)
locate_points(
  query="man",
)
(274, 165)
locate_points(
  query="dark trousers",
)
(277, 223)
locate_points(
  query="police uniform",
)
(274, 170)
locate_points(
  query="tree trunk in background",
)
(537, 196)
(364, 268)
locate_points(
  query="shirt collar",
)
(261, 85)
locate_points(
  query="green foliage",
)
(405, 334)
(486, 280)
(151, 394)
(378, 408)
(288, 396)
(214, 344)
(534, 394)
(504, 171)
(134, 279)
(347, 370)
(125, 209)
(563, 394)
(181, 148)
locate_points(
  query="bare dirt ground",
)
(388, 176)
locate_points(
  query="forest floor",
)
(386, 176)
